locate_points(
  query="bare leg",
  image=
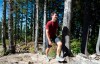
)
(47, 51)
(58, 58)
(59, 46)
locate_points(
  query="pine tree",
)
(44, 23)
(3, 26)
(10, 28)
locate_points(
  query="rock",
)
(92, 56)
(97, 58)
(98, 54)
(23, 62)
(29, 58)
(30, 62)
(82, 55)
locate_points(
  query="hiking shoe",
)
(59, 59)
(47, 59)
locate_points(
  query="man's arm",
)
(48, 37)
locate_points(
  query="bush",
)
(92, 46)
(31, 50)
(29, 38)
(75, 46)
(1, 52)
(22, 48)
(52, 52)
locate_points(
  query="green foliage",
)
(7, 42)
(31, 50)
(1, 52)
(52, 52)
(29, 38)
(75, 46)
(0, 42)
(22, 48)
(92, 44)
(90, 48)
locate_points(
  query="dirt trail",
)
(29, 58)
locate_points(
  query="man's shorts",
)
(54, 40)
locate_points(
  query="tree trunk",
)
(66, 28)
(44, 23)
(31, 27)
(26, 23)
(98, 43)
(34, 16)
(31, 20)
(87, 39)
(10, 28)
(18, 26)
(3, 26)
(36, 27)
(86, 23)
(15, 24)
(21, 24)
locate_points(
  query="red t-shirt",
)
(52, 28)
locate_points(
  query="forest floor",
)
(30, 58)
(39, 58)
(1, 50)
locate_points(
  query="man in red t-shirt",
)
(51, 30)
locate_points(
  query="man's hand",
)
(48, 37)
(50, 43)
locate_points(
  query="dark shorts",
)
(54, 40)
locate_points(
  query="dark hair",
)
(53, 13)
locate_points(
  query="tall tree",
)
(10, 28)
(15, 23)
(98, 43)
(44, 23)
(3, 26)
(21, 24)
(34, 12)
(26, 21)
(86, 23)
(31, 25)
(18, 24)
(36, 27)
(66, 26)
